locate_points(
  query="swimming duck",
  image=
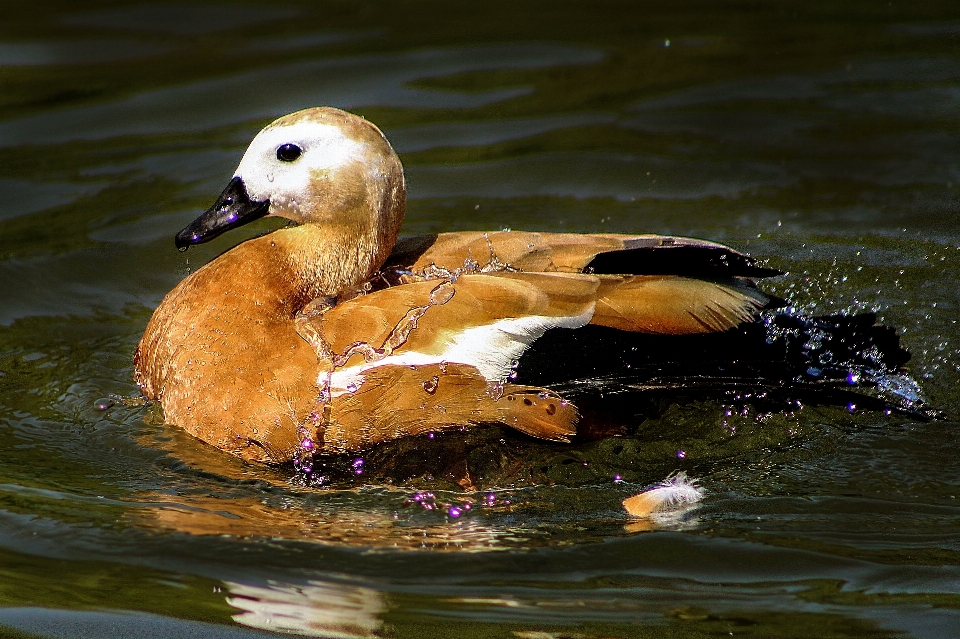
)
(332, 336)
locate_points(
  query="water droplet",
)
(442, 294)
(443, 367)
(182, 249)
(307, 444)
(453, 512)
(269, 177)
(351, 388)
(430, 386)
(617, 479)
(681, 454)
(104, 404)
(431, 435)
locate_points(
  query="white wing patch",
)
(493, 349)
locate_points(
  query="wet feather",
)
(677, 492)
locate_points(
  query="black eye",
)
(288, 152)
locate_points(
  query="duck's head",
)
(322, 167)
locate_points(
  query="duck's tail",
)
(781, 361)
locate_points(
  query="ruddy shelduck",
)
(331, 336)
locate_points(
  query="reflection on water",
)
(314, 609)
(339, 522)
(822, 138)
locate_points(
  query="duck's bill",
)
(232, 209)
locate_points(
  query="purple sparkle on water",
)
(681, 454)
(307, 444)
(431, 435)
(453, 512)
(617, 479)
(357, 465)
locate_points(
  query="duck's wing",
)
(482, 320)
(572, 252)
(489, 320)
(451, 346)
(648, 283)
(677, 305)
(433, 354)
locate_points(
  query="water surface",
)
(823, 138)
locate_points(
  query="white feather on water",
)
(676, 492)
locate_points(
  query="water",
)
(823, 137)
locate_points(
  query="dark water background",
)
(822, 135)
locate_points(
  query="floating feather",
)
(676, 492)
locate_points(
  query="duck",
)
(333, 335)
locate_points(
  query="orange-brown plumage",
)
(312, 339)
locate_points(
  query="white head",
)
(301, 160)
(320, 166)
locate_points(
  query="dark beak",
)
(233, 208)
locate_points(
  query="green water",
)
(822, 136)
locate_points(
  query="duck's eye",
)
(288, 152)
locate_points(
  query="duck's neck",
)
(331, 260)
